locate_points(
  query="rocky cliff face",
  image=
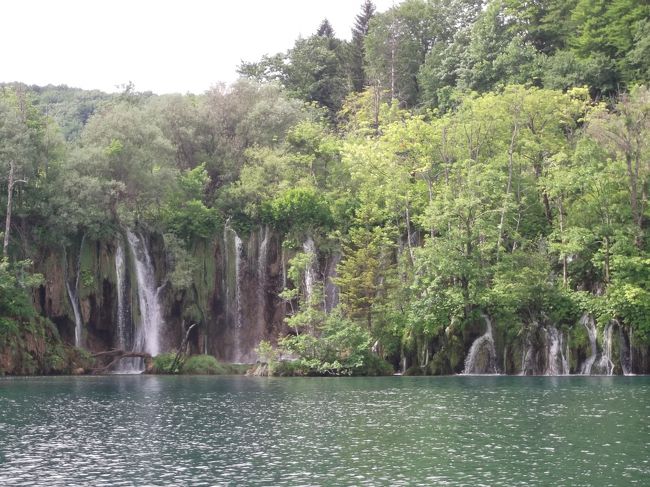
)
(233, 296)
(234, 299)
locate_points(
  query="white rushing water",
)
(556, 362)
(605, 366)
(588, 322)
(78, 322)
(310, 249)
(481, 358)
(120, 274)
(124, 326)
(151, 320)
(262, 273)
(233, 267)
(73, 296)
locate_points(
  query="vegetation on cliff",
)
(455, 158)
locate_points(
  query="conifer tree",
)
(359, 32)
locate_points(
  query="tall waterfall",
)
(310, 249)
(588, 322)
(233, 287)
(78, 322)
(151, 320)
(262, 273)
(482, 356)
(73, 296)
(557, 362)
(124, 325)
(625, 351)
(123, 341)
(605, 366)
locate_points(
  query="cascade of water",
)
(78, 322)
(528, 359)
(556, 361)
(605, 366)
(588, 322)
(233, 287)
(151, 320)
(625, 351)
(310, 249)
(238, 296)
(124, 325)
(120, 273)
(482, 355)
(262, 261)
(73, 296)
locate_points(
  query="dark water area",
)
(492, 431)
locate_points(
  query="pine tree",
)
(325, 29)
(359, 32)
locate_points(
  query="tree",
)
(21, 147)
(400, 39)
(358, 50)
(624, 133)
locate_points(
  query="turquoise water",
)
(149, 430)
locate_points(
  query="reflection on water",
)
(147, 430)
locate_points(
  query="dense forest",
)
(348, 207)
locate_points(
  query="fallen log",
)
(116, 355)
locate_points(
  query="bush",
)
(373, 365)
(162, 364)
(204, 365)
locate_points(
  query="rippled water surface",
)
(147, 430)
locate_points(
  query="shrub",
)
(162, 364)
(204, 365)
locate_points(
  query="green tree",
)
(358, 50)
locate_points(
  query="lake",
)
(461, 430)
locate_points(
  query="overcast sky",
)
(161, 45)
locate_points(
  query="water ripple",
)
(493, 431)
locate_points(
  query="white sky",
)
(164, 46)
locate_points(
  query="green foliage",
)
(15, 301)
(301, 210)
(162, 364)
(471, 171)
(203, 365)
(185, 214)
(338, 346)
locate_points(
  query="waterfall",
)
(151, 320)
(588, 322)
(233, 288)
(73, 296)
(124, 325)
(605, 366)
(556, 361)
(238, 298)
(625, 351)
(310, 249)
(120, 273)
(529, 357)
(262, 273)
(78, 322)
(482, 355)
